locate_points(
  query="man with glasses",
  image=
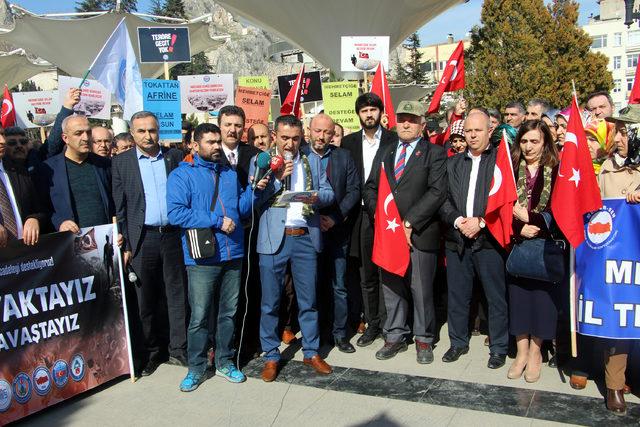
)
(18, 149)
(102, 140)
(21, 213)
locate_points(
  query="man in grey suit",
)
(291, 233)
(151, 244)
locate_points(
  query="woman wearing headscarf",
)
(620, 177)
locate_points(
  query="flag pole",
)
(84, 78)
(572, 275)
(86, 74)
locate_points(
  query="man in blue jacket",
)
(290, 232)
(190, 190)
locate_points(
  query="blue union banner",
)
(608, 272)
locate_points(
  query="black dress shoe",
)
(178, 361)
(151, 367)
(390, 349)
(454, 354)
(344, 345)
(368, 337)
(496, 360)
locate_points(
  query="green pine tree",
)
(97, 5)
(401, 73)
(415, 71)
(524, 50)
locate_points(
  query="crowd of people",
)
(202, 221)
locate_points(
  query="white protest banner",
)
(36, 109)
(205, 92)
(95, 101)
(364, 53)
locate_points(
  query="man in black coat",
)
(363, 146)
(21, 212)
(345, 181)
(151, 244)
(237, 154)
(470, 248)
(416, 172)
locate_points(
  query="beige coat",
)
(618, 181)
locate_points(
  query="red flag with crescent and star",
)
(575, 191)
(452, 78)
(8, 114)
(380, 87)
(390, 248)
(502, 196)
(291, 104)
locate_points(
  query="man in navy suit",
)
(290, 232)
(77, 183)
(345, 182)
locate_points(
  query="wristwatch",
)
(481, 223)
(407, 224)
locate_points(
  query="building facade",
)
(620, 44)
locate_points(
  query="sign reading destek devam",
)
(36, 109)
(364, 53)
(164, 44)
(63, 329)
(162, 98)
(311, 90)
(95, 100)
(339, 100)
(205, 92)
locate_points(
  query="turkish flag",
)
(8, 114)
(380, 87)
(390, 248)
(502, 196)
(634, 97)
(291, 104)
(452, 78)
(576, 191)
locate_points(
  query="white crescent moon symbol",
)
(497, 181)
(571, 137)
(386, 202)
(10, 105)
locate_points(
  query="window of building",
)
(443, 65)
(599, 41)
(629, 83)
(632, 60)
(634, 37)
(617, 86)
(617, 39)
(616, 62)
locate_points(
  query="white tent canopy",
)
(316, 26)
(72, 44)
(15, 68)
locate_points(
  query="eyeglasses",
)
(14, 142)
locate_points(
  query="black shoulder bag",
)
(202, 241)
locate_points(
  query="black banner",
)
(311, 89)
(164, 44)
(63, 329)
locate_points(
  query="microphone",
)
(131, 275)
(287, 180)
(263, 169)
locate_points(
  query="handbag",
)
(538, 258)
(201, 242)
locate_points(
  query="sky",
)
(457, 20)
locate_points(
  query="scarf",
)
(523, 194)
(307, 209)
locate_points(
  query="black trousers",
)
(488, 265)
(372, 299)
(161, 294)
